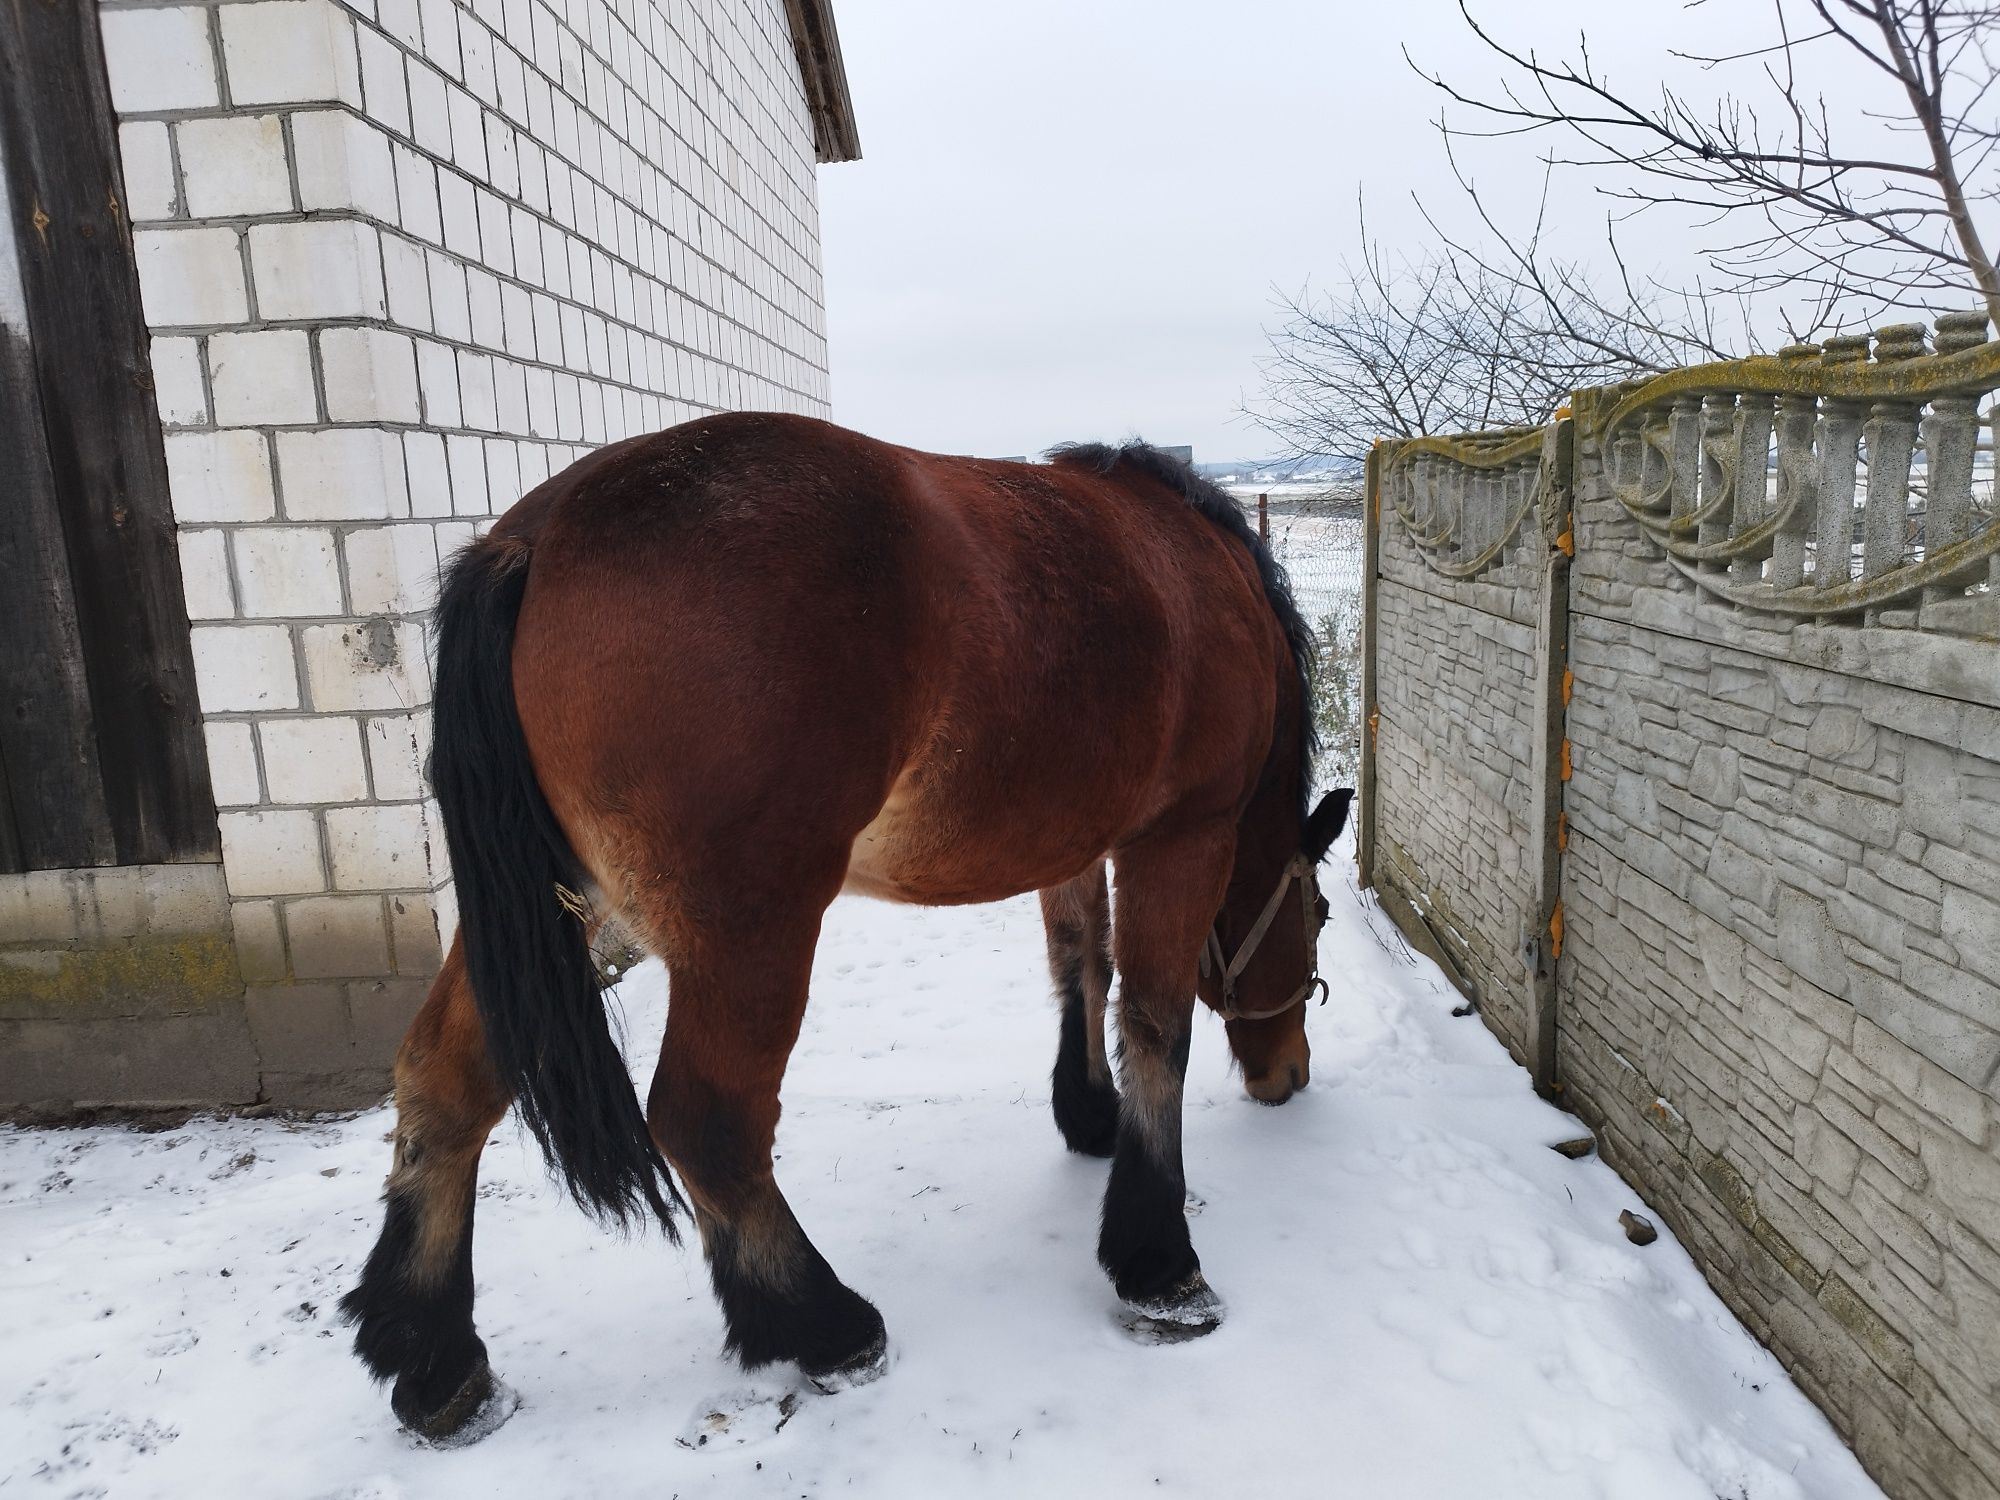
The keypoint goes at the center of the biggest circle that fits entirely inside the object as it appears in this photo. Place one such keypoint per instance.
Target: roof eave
(817, 42)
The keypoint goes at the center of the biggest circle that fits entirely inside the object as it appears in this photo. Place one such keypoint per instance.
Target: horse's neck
(1268, 834)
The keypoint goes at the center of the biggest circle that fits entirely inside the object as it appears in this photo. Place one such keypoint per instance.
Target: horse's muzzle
(1283, 1080)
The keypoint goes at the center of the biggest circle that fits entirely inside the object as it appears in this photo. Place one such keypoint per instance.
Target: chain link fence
(1316, 532)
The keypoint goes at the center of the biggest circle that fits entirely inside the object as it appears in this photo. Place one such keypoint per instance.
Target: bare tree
(1869, 202)
(1462, 339)
(1865, 205)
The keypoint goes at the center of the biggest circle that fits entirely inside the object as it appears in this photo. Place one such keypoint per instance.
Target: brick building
(383, 266)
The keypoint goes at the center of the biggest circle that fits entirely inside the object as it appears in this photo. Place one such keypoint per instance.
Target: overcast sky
(1069, 215)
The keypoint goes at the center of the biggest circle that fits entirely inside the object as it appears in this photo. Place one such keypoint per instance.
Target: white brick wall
(261, 377)
(404, 259)
(160, 59)
(314, 761)
(189, 277)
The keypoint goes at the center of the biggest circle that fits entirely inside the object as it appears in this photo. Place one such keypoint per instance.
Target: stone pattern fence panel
(1776, 925)
(1462, 536)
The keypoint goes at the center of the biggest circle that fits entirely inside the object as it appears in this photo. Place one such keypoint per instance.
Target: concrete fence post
(1542, 948)
(1371, 541)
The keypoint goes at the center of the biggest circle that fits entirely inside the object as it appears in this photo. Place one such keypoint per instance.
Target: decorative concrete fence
(1684, 760)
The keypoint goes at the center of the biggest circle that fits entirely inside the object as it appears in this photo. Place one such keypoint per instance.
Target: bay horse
(704, 681)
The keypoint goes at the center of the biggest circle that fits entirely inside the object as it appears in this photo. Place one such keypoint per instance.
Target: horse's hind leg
(1077, 917)
(413, 1306)
(738, 995)
(1168, 892)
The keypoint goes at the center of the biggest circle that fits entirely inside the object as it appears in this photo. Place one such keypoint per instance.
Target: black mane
(1216, 504)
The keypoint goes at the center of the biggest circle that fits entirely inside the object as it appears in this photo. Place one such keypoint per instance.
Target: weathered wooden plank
(89, 346)
(52, 812)
(55, 815)
(12, 858)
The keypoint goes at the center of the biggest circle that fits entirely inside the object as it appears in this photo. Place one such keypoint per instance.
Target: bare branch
(1461, 339)
(1807, 236)
(1876, 229)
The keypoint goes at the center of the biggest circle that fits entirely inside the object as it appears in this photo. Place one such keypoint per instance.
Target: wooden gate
(101, 754)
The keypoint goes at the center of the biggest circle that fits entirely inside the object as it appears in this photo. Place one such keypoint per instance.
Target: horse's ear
(1324, 826)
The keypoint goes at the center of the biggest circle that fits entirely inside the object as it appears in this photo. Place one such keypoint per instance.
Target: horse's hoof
(477, 1408)
(1175, 1316)
(871, 1364)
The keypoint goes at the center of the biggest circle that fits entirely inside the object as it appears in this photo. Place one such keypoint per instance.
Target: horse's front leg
(1168, 891)
(412, 1310)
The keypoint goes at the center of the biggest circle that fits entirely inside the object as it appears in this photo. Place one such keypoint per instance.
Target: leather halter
(1231, 969)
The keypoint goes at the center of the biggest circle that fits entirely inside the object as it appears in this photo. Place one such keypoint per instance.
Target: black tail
(526, 953)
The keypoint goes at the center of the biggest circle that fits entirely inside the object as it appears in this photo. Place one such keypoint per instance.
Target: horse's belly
(876, 863)
(931, 857)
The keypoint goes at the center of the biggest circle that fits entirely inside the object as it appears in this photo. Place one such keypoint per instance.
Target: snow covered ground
(1424, 1299)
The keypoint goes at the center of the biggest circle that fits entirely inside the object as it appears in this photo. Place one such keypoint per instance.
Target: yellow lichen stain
(147, 974)
(1374, 727)
(1562, 831)
(1566, 766)
(1556, 931)
(1798, 370)
(1569, 685)
(1566, 542)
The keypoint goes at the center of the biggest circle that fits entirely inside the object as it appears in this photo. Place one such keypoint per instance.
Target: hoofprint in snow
(1423, 1298)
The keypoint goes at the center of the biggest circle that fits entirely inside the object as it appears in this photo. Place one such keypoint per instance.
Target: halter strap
(1214, 961)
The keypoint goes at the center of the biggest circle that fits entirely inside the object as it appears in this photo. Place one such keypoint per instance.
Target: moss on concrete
(146, 976)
